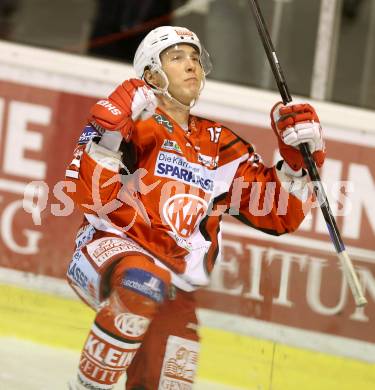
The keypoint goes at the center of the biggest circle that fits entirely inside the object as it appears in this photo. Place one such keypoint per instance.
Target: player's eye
(176, 57)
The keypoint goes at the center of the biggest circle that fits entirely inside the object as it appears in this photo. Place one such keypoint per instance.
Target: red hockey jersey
(172, 200)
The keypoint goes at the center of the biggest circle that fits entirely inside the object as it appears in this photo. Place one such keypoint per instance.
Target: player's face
(181, 64)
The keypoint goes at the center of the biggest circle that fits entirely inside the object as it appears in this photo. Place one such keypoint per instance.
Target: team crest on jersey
(183, 213)
(161, 120)
(172, 146)
(131, 324)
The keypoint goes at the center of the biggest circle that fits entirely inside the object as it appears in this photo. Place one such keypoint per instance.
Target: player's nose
(190, 64)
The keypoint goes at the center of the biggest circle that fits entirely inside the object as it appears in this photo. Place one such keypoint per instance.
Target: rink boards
(277, 309)
(228, 360)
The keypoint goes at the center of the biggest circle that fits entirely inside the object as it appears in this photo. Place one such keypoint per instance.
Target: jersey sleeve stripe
(244, 220)
(225, 147)
(202, 225)
(112, 338)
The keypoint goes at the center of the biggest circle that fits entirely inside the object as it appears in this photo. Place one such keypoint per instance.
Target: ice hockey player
(153, 182)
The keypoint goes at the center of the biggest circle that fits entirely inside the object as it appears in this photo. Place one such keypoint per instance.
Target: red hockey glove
(130, 100)
(294, 125)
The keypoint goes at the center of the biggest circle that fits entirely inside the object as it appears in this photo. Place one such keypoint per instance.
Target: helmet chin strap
(164, 92)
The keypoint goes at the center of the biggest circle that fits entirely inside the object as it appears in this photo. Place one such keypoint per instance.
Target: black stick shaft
(270, 52)
(309, 162)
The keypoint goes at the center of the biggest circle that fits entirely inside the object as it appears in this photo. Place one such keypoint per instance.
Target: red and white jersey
(182, 182)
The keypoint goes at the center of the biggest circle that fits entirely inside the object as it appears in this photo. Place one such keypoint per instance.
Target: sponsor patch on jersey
(144, 283)
(180, 364)
(105, 249)
(103, 349)
(84, 235)
(84, 279)
(171, 145)
(89, 132)
(208, 161)
(77, 275)
(178, 168)
(162, 120)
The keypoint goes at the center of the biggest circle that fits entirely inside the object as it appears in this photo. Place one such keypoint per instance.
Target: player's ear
(152, 78)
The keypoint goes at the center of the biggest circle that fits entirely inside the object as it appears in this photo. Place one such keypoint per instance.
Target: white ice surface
(25, 365)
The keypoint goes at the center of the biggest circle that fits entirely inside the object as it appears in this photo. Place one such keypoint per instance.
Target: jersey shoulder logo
(162, 120)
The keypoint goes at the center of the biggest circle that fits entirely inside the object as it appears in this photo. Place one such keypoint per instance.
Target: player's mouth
(191, 79)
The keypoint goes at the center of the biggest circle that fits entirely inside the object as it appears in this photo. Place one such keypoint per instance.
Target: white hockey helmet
(159, 39)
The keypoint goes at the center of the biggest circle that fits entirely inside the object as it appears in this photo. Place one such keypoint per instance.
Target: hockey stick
(334, 233)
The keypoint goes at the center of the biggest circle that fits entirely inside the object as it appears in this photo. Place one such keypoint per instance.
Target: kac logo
(183, 212)
(131, 325)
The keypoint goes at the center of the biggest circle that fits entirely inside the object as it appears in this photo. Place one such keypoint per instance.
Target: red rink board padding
(294, 281)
